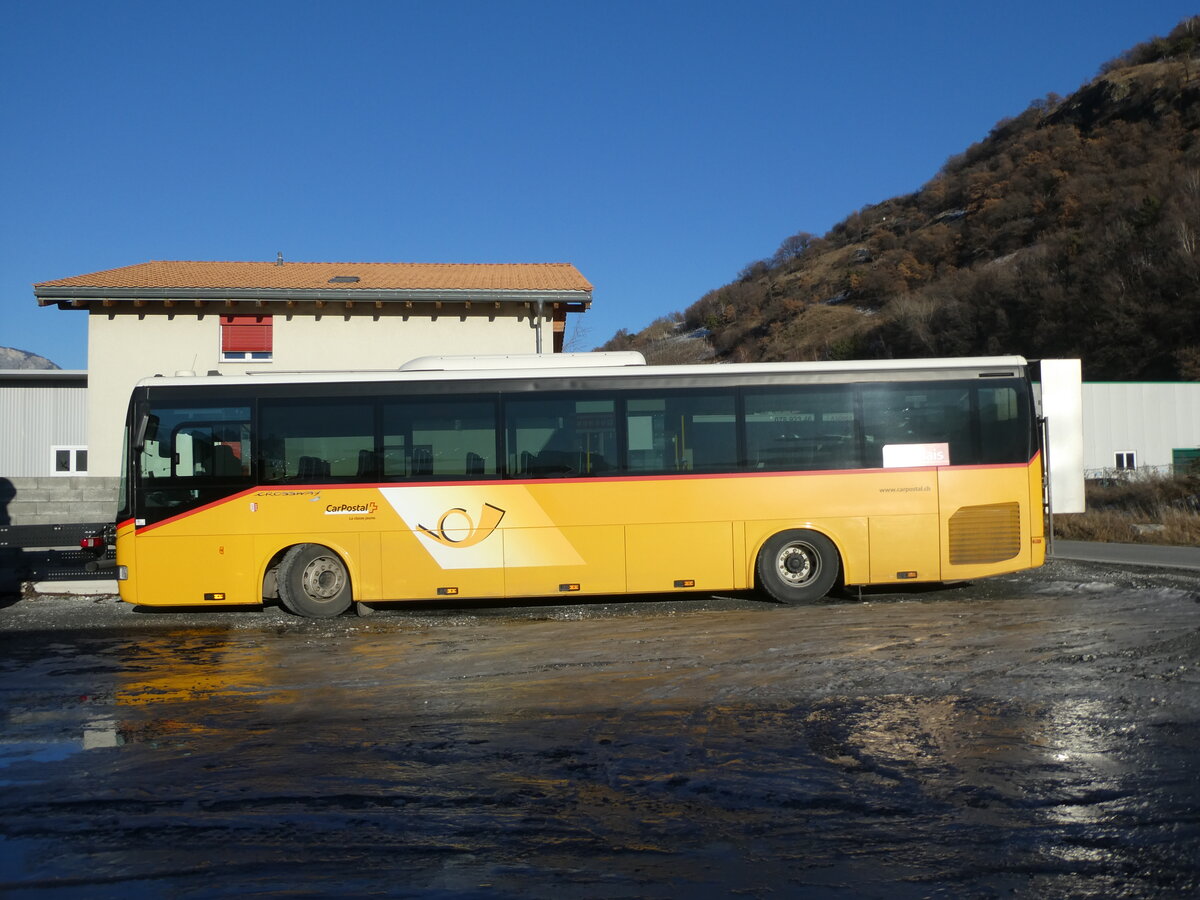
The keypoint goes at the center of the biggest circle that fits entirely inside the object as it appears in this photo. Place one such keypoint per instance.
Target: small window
(1126, 459)
(69, 460)
(246, 339)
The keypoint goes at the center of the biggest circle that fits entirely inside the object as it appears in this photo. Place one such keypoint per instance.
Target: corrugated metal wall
(36, 416)
(1148, 418)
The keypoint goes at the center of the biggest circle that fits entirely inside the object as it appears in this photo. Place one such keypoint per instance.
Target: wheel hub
(323, 579)
(795, 564)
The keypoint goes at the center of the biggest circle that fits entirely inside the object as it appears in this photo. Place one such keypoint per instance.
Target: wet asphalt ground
(1036, 735)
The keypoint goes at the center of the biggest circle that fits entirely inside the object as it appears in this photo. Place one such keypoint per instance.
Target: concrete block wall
(57, 500)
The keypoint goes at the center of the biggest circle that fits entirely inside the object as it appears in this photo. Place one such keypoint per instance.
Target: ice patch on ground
(1068, 587)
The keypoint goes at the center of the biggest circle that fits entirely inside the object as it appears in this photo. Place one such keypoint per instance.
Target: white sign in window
(641, 432)
(912, 456)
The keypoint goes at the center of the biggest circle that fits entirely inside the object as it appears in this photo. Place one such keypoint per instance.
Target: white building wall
(1150, 419)
(127, 345)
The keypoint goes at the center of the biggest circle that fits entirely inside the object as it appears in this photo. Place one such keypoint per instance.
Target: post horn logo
(472, 534)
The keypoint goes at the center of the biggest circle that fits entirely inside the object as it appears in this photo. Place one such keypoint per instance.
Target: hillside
(1072, 229)
(11, 358)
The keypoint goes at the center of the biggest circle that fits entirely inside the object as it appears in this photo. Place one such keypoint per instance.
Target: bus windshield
(191, 455)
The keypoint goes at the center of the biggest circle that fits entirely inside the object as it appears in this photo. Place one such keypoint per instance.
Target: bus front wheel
(313, 582)
(798, 566)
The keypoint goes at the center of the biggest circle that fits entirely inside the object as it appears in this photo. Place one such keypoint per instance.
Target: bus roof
(574, 365)
(524, 361)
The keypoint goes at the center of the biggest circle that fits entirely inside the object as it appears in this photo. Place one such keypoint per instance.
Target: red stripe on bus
(198, 509)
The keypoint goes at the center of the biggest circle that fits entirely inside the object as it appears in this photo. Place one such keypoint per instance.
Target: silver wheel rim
(323, 578)
(797, 564)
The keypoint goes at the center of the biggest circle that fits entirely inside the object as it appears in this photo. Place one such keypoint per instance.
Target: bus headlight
(122, 573)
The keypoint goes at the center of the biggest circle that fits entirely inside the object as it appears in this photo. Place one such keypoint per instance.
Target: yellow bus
(576, 474)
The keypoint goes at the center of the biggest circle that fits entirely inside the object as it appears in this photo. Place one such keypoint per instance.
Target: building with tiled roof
(268, 281)
(165, 316)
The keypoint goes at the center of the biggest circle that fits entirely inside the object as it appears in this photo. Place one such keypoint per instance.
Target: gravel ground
(1030, 735)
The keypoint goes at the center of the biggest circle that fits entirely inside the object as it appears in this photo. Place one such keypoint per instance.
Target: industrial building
(1140, 426)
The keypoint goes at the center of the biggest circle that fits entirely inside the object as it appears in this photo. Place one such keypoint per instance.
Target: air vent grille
(985, 534)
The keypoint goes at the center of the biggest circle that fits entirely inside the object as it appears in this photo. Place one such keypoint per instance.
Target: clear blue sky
(658, 146)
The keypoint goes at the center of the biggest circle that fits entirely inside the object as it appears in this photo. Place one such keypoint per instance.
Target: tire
(798, 566)
(313, 582)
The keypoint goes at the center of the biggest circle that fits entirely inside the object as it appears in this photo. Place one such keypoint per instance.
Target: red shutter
(245, 334)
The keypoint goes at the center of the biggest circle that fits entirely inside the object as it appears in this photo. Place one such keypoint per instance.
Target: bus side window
(439, 438)
(910, 415)
(555, 437)
(801, 427)
(315, 440)
(711, 445)
(682, 432)
(1000, 408)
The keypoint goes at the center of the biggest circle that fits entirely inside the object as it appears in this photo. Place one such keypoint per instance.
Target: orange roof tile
(314, 276)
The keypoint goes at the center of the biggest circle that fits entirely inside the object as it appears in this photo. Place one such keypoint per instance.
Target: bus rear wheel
(313, 582)
(798, 566)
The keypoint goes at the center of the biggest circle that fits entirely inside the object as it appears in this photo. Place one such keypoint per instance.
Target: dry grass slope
(1144, 509)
